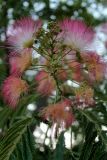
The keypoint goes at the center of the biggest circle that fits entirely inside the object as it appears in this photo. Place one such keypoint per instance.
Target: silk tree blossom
(62, 74)
(12, 89)
(22, 34)
(76, 71)
(75, 68)
(84, 95)
(59, 113)
(19, 63)
(76, 35)
(95, 65)
(46, 83)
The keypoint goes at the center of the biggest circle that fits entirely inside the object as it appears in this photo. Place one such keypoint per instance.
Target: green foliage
(12, 138)
(4, 115)
(93, 147)
(89, 139)
(97, 123)
(25, 150)
(59, 151)
(3, 73)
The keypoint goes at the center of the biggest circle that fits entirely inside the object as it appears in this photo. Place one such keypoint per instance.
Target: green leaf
(59, 151)
(4, 114)
(25, 150)
(89, 140)
(92, 117)
(12, 138)
(98, 152)
(97, 122)
(2, 72)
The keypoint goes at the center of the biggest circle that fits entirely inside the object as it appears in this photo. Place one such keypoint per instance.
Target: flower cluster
(65, 54)
(13, 87)
(20, 42)
(22, 35)
(59, 113)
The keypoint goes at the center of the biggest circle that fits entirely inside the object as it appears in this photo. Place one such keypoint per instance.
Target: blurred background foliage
(94, 13)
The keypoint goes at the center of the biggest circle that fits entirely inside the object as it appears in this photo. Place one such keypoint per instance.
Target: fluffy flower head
(45, 83)
(12, 89)
(95, 65)
(76, 71)
(22, 34)
(84, 95)
(19, 63)
(76, 34)
(59, 113)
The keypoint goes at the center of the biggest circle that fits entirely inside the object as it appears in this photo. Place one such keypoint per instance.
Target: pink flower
(45, 82)
(19, 63)
(76, 35)
(62, 74)
(84, 95)
(12, 89)
(76, 71)
(95, 65)
(22, 34)
(59, 113)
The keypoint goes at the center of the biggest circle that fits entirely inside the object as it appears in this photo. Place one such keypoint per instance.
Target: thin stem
(58, 89)
(42, 54)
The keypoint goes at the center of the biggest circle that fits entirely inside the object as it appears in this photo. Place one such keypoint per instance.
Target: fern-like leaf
(12, 138)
